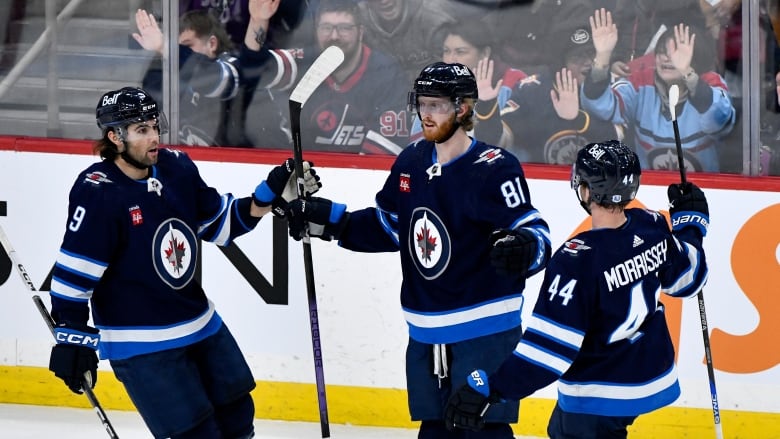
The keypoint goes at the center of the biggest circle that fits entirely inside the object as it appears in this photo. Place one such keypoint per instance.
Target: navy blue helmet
(440, 79)
(609, 169)
(120, 108)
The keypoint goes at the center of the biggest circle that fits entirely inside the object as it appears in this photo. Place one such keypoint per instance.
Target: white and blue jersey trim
(465, 323)
(117, 343)
(89, 269)
(615, 399)
(691, 281)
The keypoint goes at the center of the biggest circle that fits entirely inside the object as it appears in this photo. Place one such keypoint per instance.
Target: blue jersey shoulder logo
(174, 253)
(429, 243)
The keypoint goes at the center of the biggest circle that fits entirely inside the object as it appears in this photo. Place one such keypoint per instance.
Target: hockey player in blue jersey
(598, 326)
(459, 213)
(130, 249)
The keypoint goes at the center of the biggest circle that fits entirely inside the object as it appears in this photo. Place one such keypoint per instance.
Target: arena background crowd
(531, 57)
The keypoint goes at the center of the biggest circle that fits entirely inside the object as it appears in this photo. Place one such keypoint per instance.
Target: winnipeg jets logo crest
(174, 253)
(429, 243)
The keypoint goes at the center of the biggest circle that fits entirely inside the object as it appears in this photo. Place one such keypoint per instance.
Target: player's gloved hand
(688, 207)
(281, 186)
(513, 251)
(320, 216)
(467, 406)
(74, 355)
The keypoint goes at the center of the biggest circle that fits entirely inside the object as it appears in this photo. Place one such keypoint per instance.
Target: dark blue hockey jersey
(131, 247)
(441, 217)
(598, 326)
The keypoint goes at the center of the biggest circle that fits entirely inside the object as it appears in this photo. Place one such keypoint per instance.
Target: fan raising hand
(484, 75)
(565, 95)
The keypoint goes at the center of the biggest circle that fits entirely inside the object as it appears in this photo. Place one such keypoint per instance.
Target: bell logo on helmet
(597, 152)
(110, 100)
(461, 70)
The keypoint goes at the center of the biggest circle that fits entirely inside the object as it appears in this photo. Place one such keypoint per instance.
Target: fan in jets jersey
(358, 108)
(459, 213)
(598, 327)
(130, 250)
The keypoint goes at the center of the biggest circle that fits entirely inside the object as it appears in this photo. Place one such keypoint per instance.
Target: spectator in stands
(537, 116)
(209, 75)
(358, 109)
(410, 30)
(472, 46)
(290, 26)
(525, 30)
(705, 113)
(545, 114)
(641, 22)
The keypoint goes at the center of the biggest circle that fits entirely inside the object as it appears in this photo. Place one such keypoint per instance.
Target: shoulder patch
(96, 178)
(489, 155)
(574, 246)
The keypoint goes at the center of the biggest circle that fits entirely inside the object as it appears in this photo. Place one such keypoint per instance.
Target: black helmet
(609, 169)
(120, 108)
(440, 79)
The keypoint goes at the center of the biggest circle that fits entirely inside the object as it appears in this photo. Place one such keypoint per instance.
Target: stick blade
(322, 67)
(674, 97)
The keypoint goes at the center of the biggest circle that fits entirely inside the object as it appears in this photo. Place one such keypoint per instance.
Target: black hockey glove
(321, 217)
(688, 207)
(74, 355)
(280, 187)
(467, 406)
(513, 251)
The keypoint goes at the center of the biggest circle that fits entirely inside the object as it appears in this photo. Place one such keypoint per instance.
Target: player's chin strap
(584, 205)
(440, 368)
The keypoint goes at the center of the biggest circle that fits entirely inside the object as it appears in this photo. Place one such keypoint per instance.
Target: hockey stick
(87, 383)
(322, 67)
(674, 96)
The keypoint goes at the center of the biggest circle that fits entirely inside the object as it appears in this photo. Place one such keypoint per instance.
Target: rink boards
(363, 334)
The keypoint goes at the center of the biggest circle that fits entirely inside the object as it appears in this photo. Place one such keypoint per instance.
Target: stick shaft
(86, 385)
(702, 311)
(311, 294)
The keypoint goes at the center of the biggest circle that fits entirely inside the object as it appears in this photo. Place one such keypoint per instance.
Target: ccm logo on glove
(76, 337)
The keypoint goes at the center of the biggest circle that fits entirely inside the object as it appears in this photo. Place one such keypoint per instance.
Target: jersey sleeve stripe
(68, 291)
(541, 357)
(80, 265)
(691, 280)
(530, 217)
(389, 223)
(561, 334)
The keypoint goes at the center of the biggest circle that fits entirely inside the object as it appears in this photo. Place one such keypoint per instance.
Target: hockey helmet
(610, 170)
(440, 79)
(120, 108)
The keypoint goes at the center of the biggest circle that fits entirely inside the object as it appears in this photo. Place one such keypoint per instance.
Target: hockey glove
(513, 251)
(281, 186)
(318, 217)
(74, 355)
(688, 207)
(467, 406)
